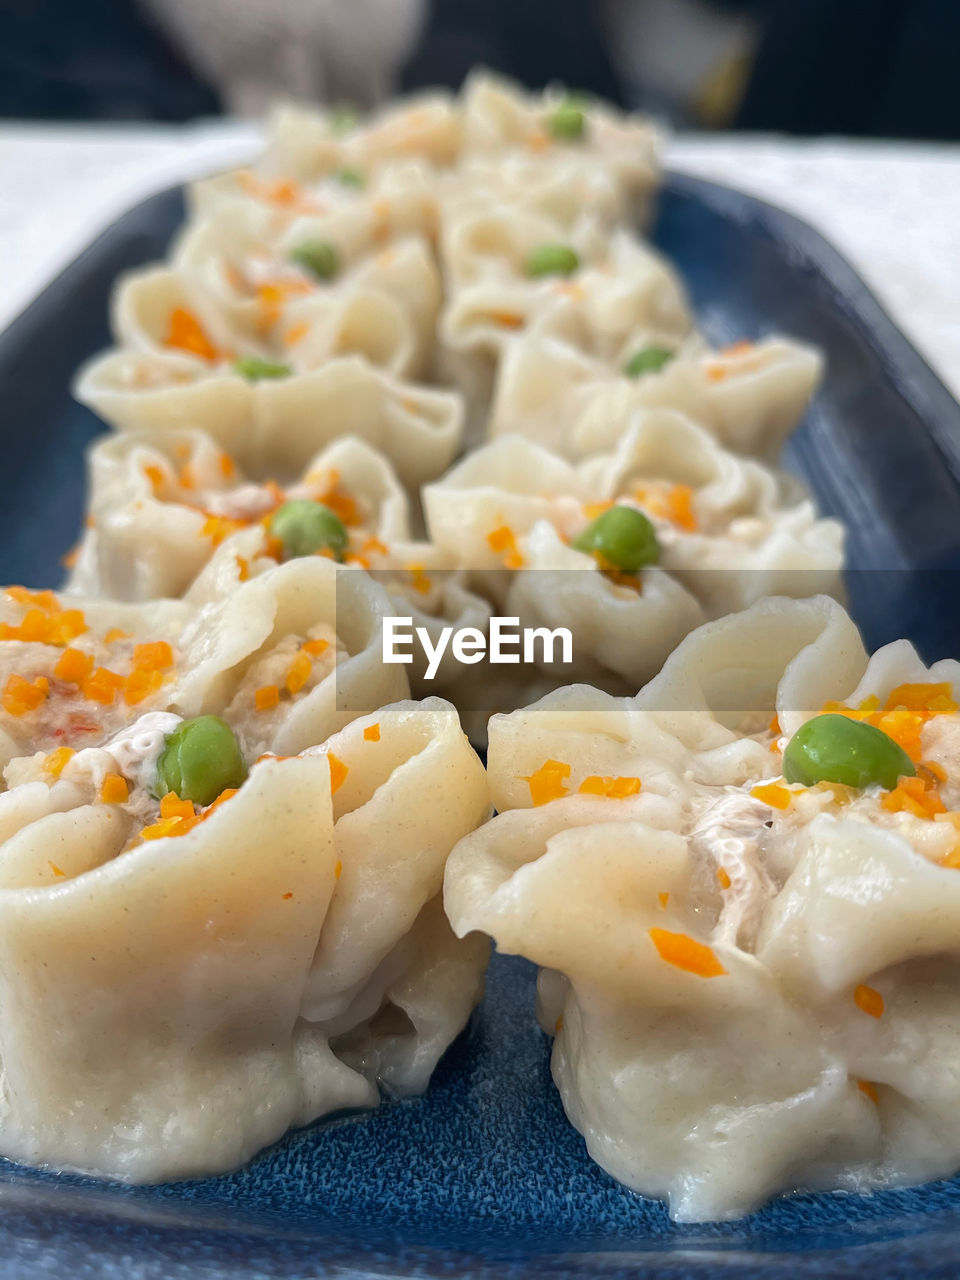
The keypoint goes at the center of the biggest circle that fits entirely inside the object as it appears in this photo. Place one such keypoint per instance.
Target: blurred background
(869, 68)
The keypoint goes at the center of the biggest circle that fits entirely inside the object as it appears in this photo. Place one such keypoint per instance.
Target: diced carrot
(372, 733)
(865, 1086)
(723, 878)
(299, 673)
(664, 899)
(21, 696)
(186, 333)
(548, 782)
(338, 772)
(140, 684)
(773, 794)
(103, 686)
(869, 1000)
(58, 760)
(267, 697)
(684, 952)
(155, 656)
(315, 647)
(114, 789)
(73, 666)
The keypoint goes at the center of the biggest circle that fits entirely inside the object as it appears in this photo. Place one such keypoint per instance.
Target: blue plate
(483, 1176)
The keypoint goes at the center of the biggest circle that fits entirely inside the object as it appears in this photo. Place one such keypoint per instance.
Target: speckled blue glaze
(483, 1176)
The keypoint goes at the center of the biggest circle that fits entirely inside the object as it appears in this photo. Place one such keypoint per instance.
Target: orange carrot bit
(338, 870)
(114, 789)
(154, 656)
(103, 686)
(186, 333)
(419, 579)
(740, 348)
(35, 627)
(171, 806)
(372, 733)
(296, 332)
(58, 760)
(267, 697)
(216, 528)
(503, 541)
(926, 699)
(933, 772)
(870, 1089)
(680, 507)
(373, 546)
(73, 666)
(69, 558)
(172, 826)
(228, 468)
(57, 871)
(595, 785)
(773, 794)
(686, 953)
(341, 504)
(299, 673)
(507, 319)
(315, 647)
(593, 509)
(70, 624)
(613, 788)
(664, 899)
(140, 685)
(723, 878)
(548, 782)
(21, 696)
(869, 1000)
(338, 773)
(243, 568)
(156, 475)
(42, 599)
(286, 896)
(774, 726)
(115, 634)
(914, 795)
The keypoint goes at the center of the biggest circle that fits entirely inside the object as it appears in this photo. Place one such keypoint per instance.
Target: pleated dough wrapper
(303, 144)
(383, 302)
(160, 503)
(229, 640)
(749, 398)
(623, 287)
(499, 118)
(746, 541)
(711, 959)
(173, 1007)
(273, 427)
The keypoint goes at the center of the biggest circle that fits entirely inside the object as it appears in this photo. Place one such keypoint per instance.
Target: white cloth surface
(892, 209)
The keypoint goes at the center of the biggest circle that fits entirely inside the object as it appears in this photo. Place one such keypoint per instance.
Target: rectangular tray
(482, 1176)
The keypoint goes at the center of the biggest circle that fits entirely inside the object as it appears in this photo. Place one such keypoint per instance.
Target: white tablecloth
(893, 210)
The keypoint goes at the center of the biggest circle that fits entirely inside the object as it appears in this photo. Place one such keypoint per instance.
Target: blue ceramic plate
(483, 1176)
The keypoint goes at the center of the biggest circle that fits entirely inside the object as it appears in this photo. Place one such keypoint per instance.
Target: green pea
(200, 759)
(306, 527)
(567, 122)
(647, 360)
(343, 118)
(622, 536)
(253, 368)
(319, 257)
(834, 748)
(552, 260)
(350, 178)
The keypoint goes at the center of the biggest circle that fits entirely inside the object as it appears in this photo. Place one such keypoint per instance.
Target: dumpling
(184, 980)
(606, 288)
(273, 426)
(750, 396)
(741, 887)
(707, 532)
(291, 655)
(160, 503)
(499, 119)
